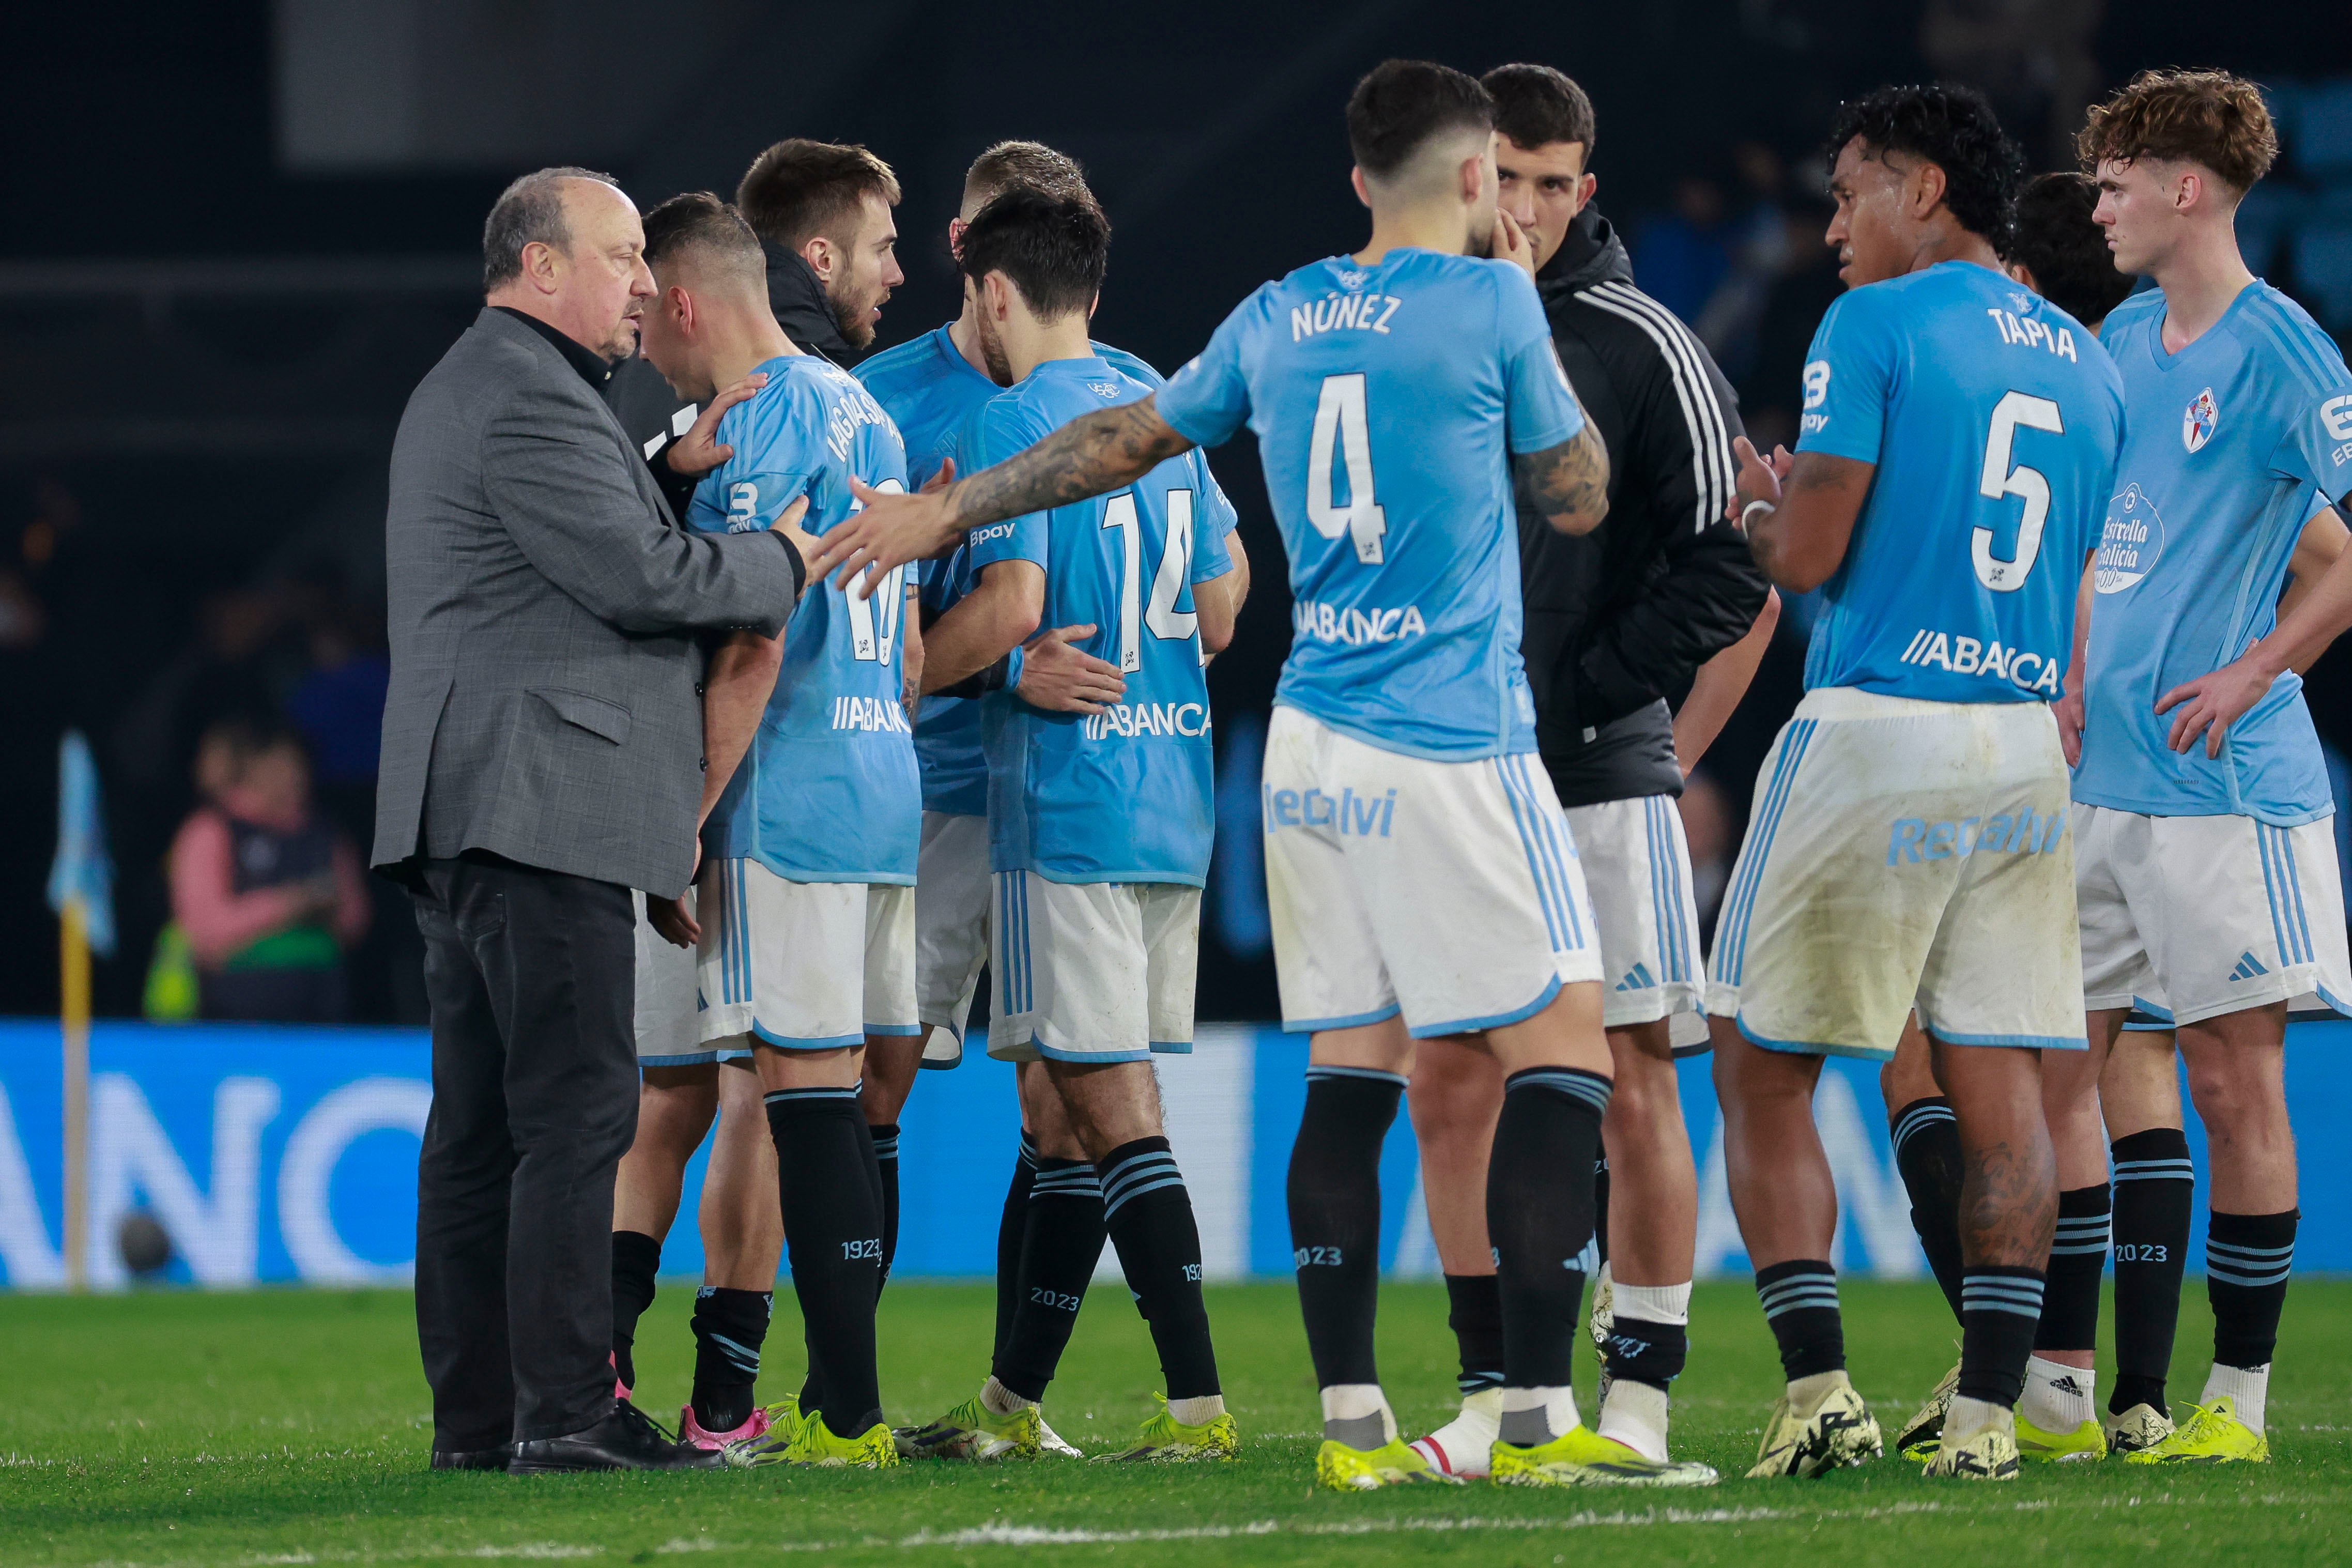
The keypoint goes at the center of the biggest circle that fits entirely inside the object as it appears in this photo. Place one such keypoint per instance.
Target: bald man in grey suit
(542, 748)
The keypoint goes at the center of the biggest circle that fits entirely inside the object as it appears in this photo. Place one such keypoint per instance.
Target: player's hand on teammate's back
(787, 524)
(2212, 704)
(890, 530)
(1512, 244)
(939, 481)
(1064, 679)
(697, 451)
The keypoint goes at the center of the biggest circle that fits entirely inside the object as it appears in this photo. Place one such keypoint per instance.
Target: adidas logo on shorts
(2249, 966)
(1636, 979)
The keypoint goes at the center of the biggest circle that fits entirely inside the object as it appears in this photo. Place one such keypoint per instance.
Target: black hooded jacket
(1619, 620)
(655, 417)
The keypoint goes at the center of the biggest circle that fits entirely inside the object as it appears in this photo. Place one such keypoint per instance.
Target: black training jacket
(1619, 620)
(653, 416)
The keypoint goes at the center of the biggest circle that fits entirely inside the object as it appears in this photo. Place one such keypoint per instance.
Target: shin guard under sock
(636, 1258)
(1475, 1313)
(1012, 1225)
(1999, 1310)
(729, 1327)
(2154, 1180)
(2078, 1257)
(1927, 1154)
(2247, 1259)
(1801, 1307)
(1062, 1242)
(1540, 1225)
(832, 1224)
(1334, 1193)
(1148, 1214)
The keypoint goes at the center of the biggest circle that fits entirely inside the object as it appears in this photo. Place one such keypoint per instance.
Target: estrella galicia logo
(2131, 543)
(2196, 424)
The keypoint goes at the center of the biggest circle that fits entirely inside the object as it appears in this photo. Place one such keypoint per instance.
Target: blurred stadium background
(237, 234)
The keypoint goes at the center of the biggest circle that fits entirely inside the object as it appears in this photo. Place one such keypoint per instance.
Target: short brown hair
(799, 189)
(2181, 116)
(700, 222)
(1536, 106)
(1032, 165)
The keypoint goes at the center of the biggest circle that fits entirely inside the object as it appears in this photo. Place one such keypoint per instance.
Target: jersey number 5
(1160, 614)
(1341, 422)
(1999, 479)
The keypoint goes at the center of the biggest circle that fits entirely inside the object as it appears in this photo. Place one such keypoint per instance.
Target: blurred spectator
(1758, 244)
(2032, 57)
(1800, 295)
(1681, 255)
(268, 895)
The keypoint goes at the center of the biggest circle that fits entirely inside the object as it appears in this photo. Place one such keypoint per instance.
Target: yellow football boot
(1580, 1456)
(816, 1446)
(2087, 1441)
(1165, 1440)
(2211, 1436)
(1393, 1464)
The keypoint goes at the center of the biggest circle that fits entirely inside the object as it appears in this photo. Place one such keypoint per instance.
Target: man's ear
(2188, 189)
(1587, 186)
(956, 226)
(543, 265)
(995, 297)
(1472, 178)
(1356, 180)
(1928, 186)
(819, 253)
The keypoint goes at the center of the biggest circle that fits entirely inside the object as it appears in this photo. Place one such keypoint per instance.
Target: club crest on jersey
(2021, 303)
(2196, 424)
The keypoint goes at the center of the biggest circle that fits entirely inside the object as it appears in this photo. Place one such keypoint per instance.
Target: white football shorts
(1637, 869)
(1448, 891)
(1091, 972)
(804, 966)
(669, 1033)
(2187, 917)
(1901, 851)
(951, 929)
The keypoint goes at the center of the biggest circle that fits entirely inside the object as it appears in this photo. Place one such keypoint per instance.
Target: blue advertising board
(272, 1153)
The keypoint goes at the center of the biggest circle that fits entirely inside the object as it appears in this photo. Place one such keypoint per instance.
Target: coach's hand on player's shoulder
(697, 451)
(2068, 711)
(1511, 244)
(2212, 704)
(1064, 679)
(787, 524)
(890, 529)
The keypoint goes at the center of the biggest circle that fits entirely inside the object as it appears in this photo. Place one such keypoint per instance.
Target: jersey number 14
(1160, 612)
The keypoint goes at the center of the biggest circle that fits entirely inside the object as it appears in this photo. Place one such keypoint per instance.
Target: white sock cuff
(1652, 1303)
(1197, 1412)
(1353, 1401)
(1559, 1405)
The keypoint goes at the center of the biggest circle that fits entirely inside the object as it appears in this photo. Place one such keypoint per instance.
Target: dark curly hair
(1956, 130)
(2056, 239)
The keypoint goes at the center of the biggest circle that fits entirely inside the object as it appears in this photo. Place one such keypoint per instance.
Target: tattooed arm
(1569, 482)
(1102, 451)
(1799, 534)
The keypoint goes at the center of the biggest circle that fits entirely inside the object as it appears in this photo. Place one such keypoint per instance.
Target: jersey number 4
(1342, 429)
(1160, 612)
(1999, 479)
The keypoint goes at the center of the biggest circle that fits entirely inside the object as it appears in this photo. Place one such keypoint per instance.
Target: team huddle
(2051, 810)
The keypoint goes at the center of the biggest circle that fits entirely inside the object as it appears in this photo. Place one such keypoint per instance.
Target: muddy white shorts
(1637, 871)
(1448, 891)
(804, 966)
(669, 1031)
(1091, 972)
(951, 929)
(1900, 852)
(2187, 917)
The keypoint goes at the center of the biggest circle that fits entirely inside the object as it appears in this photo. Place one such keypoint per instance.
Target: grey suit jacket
(544, 602)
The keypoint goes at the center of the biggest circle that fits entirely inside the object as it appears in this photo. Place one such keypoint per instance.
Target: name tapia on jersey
(1388, 402)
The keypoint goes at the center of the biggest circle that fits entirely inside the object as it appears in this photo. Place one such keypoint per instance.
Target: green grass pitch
(290, 1428)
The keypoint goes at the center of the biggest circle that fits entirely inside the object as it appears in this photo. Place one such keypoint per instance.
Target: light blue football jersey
(828, 792)
(1127, 795)
(1993, 418)
(931, 391)
(1388, 402)
(2230, 447)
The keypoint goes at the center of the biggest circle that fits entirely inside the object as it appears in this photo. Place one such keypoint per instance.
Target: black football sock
(2078, 1257)
(1012, 1225)
(636, 1258)
(1335, 1215)
(1601, 1209)
(2247, 1259)
(2154, 1182)
(885, 1159)
(1474, 1312)
(1540, 1225)
(1643, 1350)
(730, 1326)
(1999, 1307)
(1927, 1156)
(1801, 1307)
(833, 1226)
(1062, 1244)
(1149, 1213)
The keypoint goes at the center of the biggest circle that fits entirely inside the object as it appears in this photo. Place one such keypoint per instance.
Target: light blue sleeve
(1208, 400)
(772, 468)
(1540, 410)
(1001, 428)
(1849, 374)
(2316, 448)
(1216, 511)
(1210, 526)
